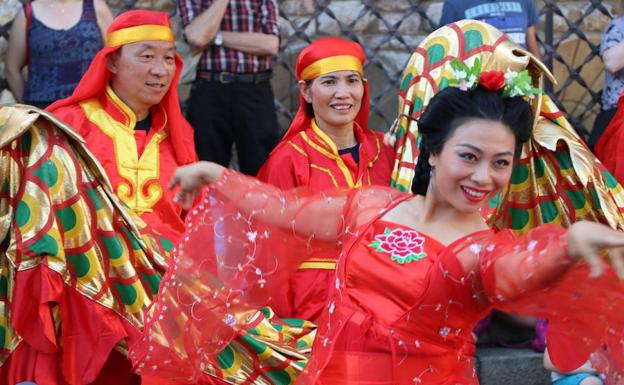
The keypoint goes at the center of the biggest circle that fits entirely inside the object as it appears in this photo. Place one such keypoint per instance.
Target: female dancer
(328, 145)
(416, 271)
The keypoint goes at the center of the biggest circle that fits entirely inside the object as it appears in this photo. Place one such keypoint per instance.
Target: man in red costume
(126, 107)
(328, 145)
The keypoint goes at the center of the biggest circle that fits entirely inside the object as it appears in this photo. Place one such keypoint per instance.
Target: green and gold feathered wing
(63, 231)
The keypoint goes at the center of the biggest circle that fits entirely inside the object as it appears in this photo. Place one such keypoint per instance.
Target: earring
(431, 172)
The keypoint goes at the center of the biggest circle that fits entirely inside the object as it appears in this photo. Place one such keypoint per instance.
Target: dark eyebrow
(470, 146)
(328, 76)
(477, 149)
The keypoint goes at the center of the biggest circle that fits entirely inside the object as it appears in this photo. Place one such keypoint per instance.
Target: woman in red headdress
(328, 145)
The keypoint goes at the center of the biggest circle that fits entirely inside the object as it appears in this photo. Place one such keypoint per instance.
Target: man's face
(142, 73)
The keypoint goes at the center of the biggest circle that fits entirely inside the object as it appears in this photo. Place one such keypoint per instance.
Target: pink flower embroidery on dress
(404, 246)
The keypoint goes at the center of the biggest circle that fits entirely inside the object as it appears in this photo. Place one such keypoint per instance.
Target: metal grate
(580, 84)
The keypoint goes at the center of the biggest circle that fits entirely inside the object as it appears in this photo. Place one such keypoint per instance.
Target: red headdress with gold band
(131, 27)
(324, 56)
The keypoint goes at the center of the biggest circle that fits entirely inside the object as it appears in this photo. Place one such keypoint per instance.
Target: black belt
(229, 77)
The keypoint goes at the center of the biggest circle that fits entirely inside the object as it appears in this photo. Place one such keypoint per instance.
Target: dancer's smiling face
(475, 163)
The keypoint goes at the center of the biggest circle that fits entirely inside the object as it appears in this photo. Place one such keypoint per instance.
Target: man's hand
(201, 32)
(255, 43)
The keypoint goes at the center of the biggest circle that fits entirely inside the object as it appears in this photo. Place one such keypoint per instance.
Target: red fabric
(408, 314)
(288, 167)
(88, 334)
(320, 49)
(304, 158)
(165, 216)
(492, 80)
(95, 80)
(319, 169)
(28, 364)
(609, 147)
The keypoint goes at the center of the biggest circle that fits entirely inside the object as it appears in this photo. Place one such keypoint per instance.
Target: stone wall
(8, 8)
(389, 30)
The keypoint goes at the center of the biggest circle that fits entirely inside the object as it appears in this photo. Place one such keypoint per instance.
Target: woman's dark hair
(451, 108)
(307, 107)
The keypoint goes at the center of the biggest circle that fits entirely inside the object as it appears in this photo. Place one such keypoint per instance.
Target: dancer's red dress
(402, 304)
(609, 146)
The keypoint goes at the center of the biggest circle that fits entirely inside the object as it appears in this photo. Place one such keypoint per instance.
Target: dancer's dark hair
(451, 108)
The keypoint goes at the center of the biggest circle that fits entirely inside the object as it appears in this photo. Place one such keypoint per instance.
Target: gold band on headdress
(332, 64)
(139, 33)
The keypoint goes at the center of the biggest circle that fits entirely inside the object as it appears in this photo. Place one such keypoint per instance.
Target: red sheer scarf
(245, 238)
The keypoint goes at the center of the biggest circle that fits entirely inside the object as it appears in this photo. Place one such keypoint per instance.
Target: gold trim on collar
(332, 64)
(123, 107)
(334, 154)
(139, 33)
(140, 188)
(324, 137)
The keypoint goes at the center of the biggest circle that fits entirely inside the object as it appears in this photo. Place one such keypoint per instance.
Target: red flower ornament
(404, 246)
(492, 80)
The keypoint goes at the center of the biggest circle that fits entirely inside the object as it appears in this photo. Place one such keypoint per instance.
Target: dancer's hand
(589, 240)
(191, 178)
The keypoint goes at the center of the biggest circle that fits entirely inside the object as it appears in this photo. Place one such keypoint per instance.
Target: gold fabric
(139, 33)
(57, 209)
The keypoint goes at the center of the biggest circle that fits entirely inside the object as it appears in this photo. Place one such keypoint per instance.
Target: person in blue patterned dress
(55, 40)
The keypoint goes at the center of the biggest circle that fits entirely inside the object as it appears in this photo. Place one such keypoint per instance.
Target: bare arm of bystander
(200, 32)
(613, 58)
(103, 15)
(531, 41)
(255, 43)
(16, 56)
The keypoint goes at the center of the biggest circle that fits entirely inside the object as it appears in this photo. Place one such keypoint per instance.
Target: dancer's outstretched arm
(539, 257)
(309, 214)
